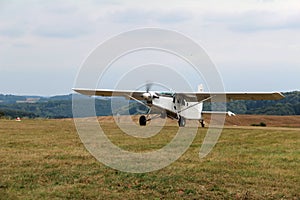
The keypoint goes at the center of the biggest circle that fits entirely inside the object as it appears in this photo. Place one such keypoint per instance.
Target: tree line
(61, 106)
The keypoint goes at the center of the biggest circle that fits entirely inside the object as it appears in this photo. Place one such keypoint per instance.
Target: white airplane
(179, 106)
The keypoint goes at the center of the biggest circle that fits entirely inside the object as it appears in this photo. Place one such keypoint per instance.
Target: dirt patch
(268, 120)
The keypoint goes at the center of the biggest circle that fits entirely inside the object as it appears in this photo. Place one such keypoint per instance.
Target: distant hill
(290, 105)
(12, 106)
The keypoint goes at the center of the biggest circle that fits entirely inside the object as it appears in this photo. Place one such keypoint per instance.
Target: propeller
(149, 95)
(148, 86)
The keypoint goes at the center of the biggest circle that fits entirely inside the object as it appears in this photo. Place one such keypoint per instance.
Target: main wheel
(181, 121)
(202, 123)
(143, 120)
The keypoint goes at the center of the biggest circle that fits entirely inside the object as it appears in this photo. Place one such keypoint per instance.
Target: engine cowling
(149, 96)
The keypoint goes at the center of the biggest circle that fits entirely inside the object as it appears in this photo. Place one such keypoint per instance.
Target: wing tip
(278, 95)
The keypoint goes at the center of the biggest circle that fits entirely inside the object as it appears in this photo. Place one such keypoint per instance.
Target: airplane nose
(146, 95)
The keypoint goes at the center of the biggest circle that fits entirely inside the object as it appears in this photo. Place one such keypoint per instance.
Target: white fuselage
(188, 110)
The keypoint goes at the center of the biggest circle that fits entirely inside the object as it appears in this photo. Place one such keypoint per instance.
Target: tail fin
(200, 88)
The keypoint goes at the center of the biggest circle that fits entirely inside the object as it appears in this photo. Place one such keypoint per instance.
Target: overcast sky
(255, 44)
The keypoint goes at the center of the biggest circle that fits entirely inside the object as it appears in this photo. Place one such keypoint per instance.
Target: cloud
(21, 45)
(45, 19)
(63, 27)
(139, 16)
(175, 17)
(12, 23)
(12, 32)
(252, 21)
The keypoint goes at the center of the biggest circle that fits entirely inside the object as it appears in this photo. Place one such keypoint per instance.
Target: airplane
(180, 106)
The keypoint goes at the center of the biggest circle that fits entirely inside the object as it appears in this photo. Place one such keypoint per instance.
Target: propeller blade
(148, 86)
(149, 95)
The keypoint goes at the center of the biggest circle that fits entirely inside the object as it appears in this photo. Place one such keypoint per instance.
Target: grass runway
(45, 159)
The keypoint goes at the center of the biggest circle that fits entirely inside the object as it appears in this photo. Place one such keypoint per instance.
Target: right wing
(108, 93)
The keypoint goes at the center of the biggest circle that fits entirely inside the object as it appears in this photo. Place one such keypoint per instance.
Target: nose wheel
(143, 121)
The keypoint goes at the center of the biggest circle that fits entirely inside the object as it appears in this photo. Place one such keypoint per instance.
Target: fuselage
(176, 106)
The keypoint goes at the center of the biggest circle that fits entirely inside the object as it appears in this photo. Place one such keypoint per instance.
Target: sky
(255, 44)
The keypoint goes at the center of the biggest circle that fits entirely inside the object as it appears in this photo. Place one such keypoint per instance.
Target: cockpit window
(167, 93)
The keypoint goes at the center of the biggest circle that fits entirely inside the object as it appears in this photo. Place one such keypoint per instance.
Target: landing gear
(202, 123)
(163, 115)
(181, 121)
(143, 120)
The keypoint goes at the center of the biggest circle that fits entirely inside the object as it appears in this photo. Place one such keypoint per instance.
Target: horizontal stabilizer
(229, 113)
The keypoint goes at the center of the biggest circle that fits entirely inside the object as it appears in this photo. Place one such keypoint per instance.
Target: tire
(181, 121)
(142, 120)
(202, 123)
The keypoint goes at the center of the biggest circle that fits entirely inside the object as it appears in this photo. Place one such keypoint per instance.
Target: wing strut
(131, 97)
(196, 104)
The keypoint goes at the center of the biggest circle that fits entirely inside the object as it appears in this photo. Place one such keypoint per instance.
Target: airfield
(45, 159)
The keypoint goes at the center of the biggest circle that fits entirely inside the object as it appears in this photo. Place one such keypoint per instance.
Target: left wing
(200, 96)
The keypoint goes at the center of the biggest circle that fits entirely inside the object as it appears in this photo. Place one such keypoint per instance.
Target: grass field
(45, 159)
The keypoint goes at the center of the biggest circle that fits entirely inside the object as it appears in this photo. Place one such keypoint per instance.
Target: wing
(202, 96)
(189, 96)
(108, 93)
(254, 96)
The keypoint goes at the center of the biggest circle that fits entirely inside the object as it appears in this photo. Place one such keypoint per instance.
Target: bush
(260, 124)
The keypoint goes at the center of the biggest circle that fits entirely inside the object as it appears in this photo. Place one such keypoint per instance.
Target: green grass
(45, 159)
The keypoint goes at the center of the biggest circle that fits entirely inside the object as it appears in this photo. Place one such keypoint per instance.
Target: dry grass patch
(44, 159)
